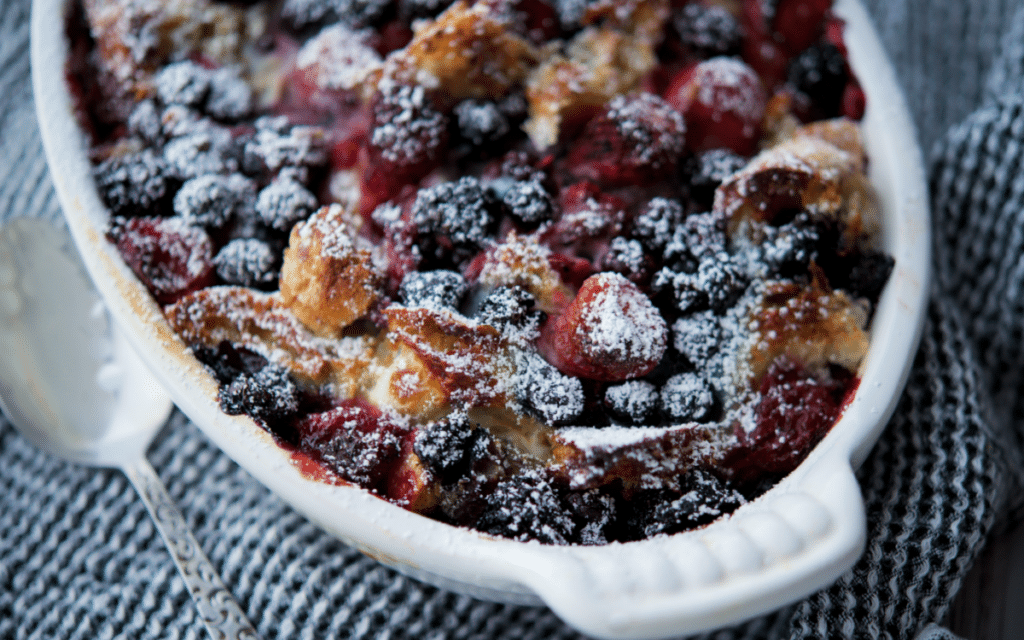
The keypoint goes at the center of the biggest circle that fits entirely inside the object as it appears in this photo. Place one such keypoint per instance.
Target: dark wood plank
(990, 605)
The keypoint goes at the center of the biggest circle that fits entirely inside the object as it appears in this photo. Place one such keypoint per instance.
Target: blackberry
(627, 257)
(654, 225)
(701, 235)
(409, 10)
(708, 31)
(409, 133)
(594, 514)
(206, 148)
(697, 337)
(687, 397)
(480, 122)
(787, 250)
(444, 446)
(134, 184)
(526, 508)
(507, 308)
(185, 83)
(212, 200)
(706, 171)
(358, 13)
(277, 144)
(865, 274)
(544, 391)
(432, 289)
(458, 211)
(228, 360)
(819, 72)
(247, 262)
(269, 396)
(231, 97)
(702, 498)
(717, 283)
(284, 202)
(633, 401)
(528, 201)
(145, 123)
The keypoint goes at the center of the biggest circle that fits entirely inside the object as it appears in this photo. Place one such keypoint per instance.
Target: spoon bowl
(71, 384)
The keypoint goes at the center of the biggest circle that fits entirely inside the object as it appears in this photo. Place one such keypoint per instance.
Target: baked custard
(571, 271)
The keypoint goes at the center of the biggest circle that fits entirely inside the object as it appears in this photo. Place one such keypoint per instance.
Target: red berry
(854, 101)
(636, 140)
(171, 258)
(795, 412)
(799, 23)
(355, 439)
(723, 102)
(609, 332)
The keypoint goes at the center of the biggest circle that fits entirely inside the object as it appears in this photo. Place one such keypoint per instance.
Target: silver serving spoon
(74, 387)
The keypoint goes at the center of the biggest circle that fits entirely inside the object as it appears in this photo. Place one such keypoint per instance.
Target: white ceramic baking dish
(797, 538)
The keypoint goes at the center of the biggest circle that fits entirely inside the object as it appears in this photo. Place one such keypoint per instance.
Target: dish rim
(798, 537)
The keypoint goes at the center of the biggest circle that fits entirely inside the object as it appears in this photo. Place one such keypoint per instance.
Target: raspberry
(610, 332)
(433, 289)
(654, 225)
(480, 122)
(170, 257)
(269, 396)
(706, 171)
(708, 31)
(135, 184)
(627, 257)
(723, 102)
(528, 201)
(795, 412)
(356, 440)
(212, 200)
(687, 397)
(444, 446)
(555, 398)
(526, 508)
(633, 401)
(248, 262)
(819, 72)
(284, 202)
(697, 337)
(458, 212)
(407, 140)
(798, 23)
(637, 139)
(185, 83)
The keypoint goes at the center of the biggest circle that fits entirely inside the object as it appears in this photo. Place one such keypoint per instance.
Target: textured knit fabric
(79, 557)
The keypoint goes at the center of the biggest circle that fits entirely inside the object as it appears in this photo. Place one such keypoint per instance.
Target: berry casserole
(569, 273)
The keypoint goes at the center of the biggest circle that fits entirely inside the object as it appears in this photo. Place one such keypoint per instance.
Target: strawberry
(723, 102)
(609, 332)
(170, 257)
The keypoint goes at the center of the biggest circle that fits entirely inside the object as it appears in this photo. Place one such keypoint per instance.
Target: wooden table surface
(990, 605)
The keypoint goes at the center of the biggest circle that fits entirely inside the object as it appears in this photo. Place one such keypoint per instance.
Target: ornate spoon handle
(217, 607)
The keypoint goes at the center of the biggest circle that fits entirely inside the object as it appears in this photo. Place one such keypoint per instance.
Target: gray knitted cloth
(80, 559)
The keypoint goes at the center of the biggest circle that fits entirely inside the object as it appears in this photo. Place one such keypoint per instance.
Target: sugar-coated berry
(461, 212)
(205, 148)
(708, 30)
(248, 262)
(697, 337)
(231, 97)
(819, 72)
(528, 201)
(212, 200)
(433, 289)
(633, 401)
(480, 122)
(526, 508)
(657, 221)
(284, 202)
(555, 398)
(135, 184)
(687, 397)
(444, 446)
(268, 396)
(706, 171)
(185, 83)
